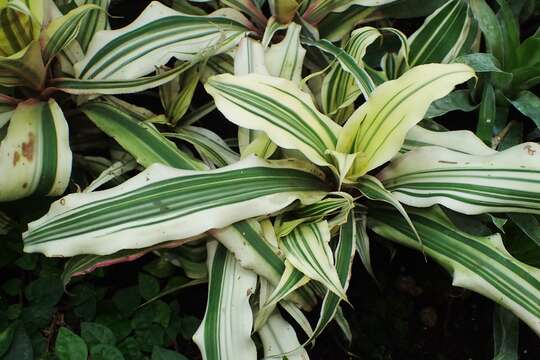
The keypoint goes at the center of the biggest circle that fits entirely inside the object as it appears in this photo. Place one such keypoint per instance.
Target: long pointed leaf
(307, 249)
(141, 139)
(163, 203)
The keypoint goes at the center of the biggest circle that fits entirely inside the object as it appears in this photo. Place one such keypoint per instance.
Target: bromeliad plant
(322, 158)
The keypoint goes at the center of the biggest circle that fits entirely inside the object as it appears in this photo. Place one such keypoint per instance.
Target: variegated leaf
(163, 203)
(346, 80)
(139, 138)
(286, 58)
(445, 34)
(374, 190)
(93, 22)
(508, 181)
(378, 128)
(463, 141)
(279, 337)
(318, 9)
(62, 31)
(308, 250)
(35, 152)
(291, 280)
(344, 253)
(158, 34)
(248, 241)
(115, 87)
(208, 144)
(225, 332)
(277, 107)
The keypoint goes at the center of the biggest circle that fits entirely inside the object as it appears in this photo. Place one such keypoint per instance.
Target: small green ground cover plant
(252, 149)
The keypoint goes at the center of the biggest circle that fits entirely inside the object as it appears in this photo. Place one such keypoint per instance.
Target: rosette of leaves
(281, 220)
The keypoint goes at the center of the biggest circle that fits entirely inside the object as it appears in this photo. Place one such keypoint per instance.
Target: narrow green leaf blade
(140, 139)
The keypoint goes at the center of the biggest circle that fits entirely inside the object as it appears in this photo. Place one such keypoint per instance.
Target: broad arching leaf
(277, 107)
(163, 203)
(507, 181)
(158, 34)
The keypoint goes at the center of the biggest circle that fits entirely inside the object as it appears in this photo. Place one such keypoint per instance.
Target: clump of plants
(256, 145)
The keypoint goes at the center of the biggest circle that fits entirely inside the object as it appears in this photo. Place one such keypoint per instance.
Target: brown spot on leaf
(28, 147)
(24, 185)
(16, 158)
(530, 150)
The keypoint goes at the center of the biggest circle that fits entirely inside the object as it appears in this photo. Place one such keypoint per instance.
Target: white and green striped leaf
(249, 59)
(307, 248)
(176, 96)
(272, 26)
(333, 208)
(115, 87)
(480, 264)
(23, 68)
(508, 181)
(463, 141)
(394, 64)
(249, 242)
(277, 107)
(208, 144)
(286, 58)
(279, 337)
(35, 152)
(319, 9)
(378, 128)
(93, 22)
(163, 203)
(20, 24)
(291, 280)
(141, 139)
(62, 31)
(347, 80)
(344, 254)
(158, 34)
(444, 35)
(225, 332)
